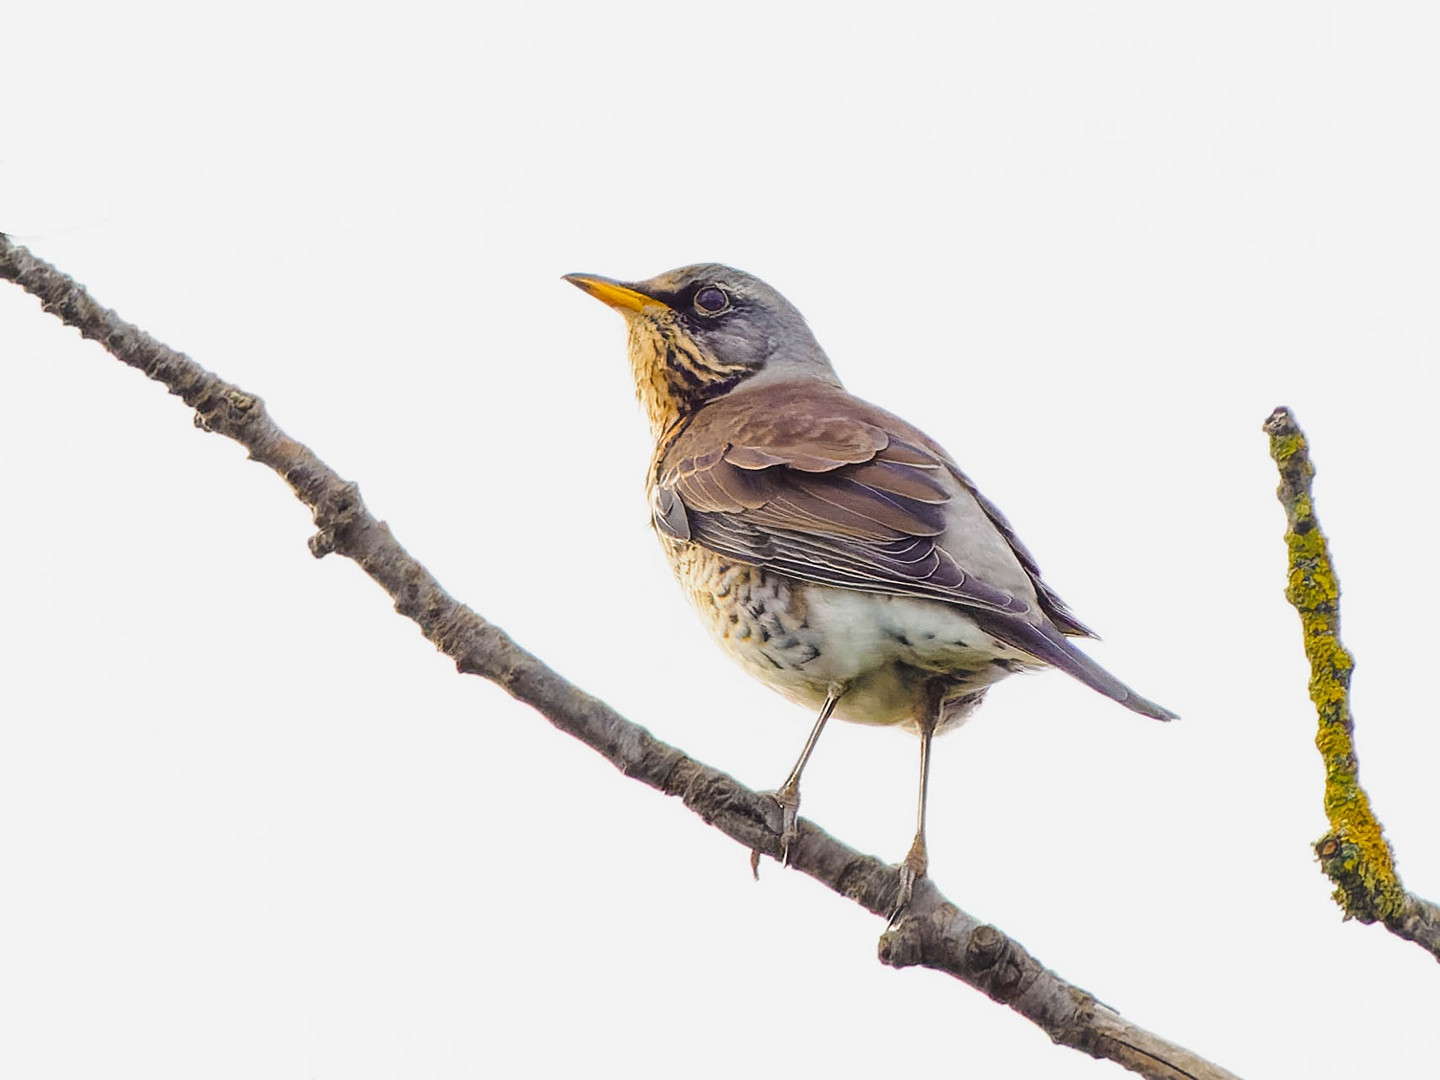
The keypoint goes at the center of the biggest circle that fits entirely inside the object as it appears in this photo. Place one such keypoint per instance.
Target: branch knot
(335, 512)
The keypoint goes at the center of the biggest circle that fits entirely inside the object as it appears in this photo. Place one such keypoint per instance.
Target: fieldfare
(834, 550)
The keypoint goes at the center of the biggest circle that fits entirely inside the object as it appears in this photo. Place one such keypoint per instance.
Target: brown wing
(806, 480)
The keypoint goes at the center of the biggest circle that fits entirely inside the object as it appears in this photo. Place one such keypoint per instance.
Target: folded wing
(814, 483)
(810, 482)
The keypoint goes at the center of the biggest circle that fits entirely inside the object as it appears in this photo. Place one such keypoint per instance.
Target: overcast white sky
(252, 824)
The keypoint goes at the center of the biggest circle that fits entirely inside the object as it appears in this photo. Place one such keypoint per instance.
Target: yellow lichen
(1356, 855)
(1284, 447)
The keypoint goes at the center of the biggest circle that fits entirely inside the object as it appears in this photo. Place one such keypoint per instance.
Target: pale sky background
(252, 825)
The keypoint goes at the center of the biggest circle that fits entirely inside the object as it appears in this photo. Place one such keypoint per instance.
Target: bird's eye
(711, 300)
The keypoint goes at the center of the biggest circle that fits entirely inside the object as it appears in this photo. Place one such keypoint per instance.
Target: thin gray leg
(917, 859)
(789, 794)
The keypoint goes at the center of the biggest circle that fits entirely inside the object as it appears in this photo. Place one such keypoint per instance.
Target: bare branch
(1354, 854)
(934, 934)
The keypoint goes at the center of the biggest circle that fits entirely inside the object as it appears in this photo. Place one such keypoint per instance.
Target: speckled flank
(881, 649)
(758, 617)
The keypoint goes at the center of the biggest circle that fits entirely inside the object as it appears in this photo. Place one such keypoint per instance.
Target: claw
(789, 829)
(788, 799)
(908, 877)
(917, 860)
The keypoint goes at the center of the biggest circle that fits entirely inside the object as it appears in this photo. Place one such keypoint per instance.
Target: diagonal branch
(934, 934)
(1354, 854)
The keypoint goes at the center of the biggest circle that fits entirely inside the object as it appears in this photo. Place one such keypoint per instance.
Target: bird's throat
(674, 377)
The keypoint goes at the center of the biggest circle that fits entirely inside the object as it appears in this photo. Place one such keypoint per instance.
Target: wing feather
(808, 481)
(811, 482)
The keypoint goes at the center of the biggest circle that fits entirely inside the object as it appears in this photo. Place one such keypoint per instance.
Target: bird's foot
(788, 799)
(912, 869)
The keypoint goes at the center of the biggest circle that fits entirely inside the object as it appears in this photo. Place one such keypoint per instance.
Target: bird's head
(698, 332)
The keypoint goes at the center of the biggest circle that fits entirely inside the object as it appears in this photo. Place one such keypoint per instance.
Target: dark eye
(711, 300)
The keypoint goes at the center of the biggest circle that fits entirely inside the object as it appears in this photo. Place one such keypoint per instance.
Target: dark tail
(1047, 643)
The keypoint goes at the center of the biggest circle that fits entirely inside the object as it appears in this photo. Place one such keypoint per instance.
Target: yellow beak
(609, 291)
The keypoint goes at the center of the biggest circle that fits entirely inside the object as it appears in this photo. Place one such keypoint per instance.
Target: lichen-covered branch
(934, 934)
(1354, 854)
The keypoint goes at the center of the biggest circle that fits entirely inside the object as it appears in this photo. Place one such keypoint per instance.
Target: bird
(833, 549)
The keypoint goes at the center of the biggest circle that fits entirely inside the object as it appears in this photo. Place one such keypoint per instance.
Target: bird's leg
(788, 796)
(917, 860)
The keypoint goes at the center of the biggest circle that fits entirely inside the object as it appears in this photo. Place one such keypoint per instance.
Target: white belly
(803, 640)
(884, 648)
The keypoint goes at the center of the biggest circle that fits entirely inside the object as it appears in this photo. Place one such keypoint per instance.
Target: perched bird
(834, 550)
